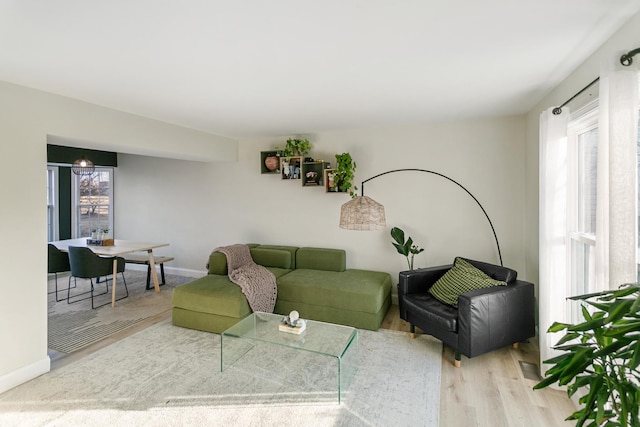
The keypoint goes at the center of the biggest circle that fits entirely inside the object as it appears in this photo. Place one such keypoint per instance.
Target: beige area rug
(72, 327)
(170, 376)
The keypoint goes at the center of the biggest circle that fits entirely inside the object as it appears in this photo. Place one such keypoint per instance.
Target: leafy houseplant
(295, 147)
(344, 174)
(408, 249)
(601, 355)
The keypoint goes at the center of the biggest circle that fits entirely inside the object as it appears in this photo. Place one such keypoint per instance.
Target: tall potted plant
(406, 248)
(601, 357)
(344, 174)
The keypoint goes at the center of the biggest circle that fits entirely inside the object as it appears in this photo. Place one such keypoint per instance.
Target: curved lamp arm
(447, 178)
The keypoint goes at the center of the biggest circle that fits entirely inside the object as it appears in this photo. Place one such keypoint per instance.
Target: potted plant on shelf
(406, 248)
(295, 147)
(343, 174)
(601, 356)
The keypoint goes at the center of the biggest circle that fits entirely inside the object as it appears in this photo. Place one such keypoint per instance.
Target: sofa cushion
(444, 316)
(267, 257)
(213, 294)
(218, 264)
(496, 272)
(355, 290)
(461, 278)
(321, 259)
(271, 257)
(291, 249)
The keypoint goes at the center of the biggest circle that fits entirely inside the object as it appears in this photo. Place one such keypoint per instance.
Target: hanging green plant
(295, 147)
(344, 174)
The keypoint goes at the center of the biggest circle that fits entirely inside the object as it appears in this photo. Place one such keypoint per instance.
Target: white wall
(27, 117)
(626, 39)
(199, 206)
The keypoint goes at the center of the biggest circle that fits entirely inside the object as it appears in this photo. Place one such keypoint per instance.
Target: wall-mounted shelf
(291, 168)
(328, 181)
(313, 173)
(269, 162)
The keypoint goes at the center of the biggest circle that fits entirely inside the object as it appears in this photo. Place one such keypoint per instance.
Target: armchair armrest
(417, 282)
(491, 318)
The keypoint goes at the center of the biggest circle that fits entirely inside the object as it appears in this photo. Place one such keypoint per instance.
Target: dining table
(119, 248)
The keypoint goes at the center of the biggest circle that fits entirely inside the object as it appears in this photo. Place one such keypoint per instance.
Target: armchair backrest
(86, 264)
(57, 261)
(496, 272)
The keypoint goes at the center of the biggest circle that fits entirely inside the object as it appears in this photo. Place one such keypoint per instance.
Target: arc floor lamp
(364, 213)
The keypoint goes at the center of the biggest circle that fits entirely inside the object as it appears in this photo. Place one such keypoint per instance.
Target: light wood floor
(491, 390)
(487, 391)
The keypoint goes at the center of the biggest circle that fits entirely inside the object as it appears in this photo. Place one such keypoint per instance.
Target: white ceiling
(244, 68)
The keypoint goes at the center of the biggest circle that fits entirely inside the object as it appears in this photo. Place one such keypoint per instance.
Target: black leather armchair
(485, 319)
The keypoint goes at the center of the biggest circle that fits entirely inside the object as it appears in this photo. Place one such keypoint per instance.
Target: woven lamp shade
(362, 213)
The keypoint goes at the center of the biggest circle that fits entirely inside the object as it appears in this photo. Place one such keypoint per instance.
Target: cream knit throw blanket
(257, 283)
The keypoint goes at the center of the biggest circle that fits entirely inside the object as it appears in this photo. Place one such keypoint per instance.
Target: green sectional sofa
(313, 281)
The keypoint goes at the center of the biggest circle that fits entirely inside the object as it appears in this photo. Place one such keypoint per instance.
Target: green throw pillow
(462, 277)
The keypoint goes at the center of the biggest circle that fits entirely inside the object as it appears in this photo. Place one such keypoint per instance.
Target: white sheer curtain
(616, 204)
(617, 217)
(553, 227)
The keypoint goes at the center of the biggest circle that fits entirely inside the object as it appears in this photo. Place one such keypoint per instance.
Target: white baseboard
(24, 374)
(186, 272)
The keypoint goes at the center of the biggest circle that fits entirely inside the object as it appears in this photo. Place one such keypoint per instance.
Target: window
(52, 203)
(93, 202)
(582, 159)
(582, 134)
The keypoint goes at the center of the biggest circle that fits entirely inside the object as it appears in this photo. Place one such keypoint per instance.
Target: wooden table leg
(154, 274)
(113, 281)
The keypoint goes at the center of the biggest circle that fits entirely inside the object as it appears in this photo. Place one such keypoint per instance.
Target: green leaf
(568, 337)
(599, 305)
(618, 309)
(573, 348)
(577, 365)
(587, 296)
(625, 290)
(623, 327)
(399, 248)
(634, 362)
(557, 327)
(610, 349)
(407, 246)
(635, 307)
(546, 382)
(590, 325)
(397, 235)
(594, 389)
(558, 359)
(579, 383)
(416, 250)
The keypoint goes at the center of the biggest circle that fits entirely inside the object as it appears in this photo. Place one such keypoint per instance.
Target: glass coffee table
(325, 339)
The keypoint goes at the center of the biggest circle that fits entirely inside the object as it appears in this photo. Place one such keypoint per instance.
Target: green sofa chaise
(313, 281)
